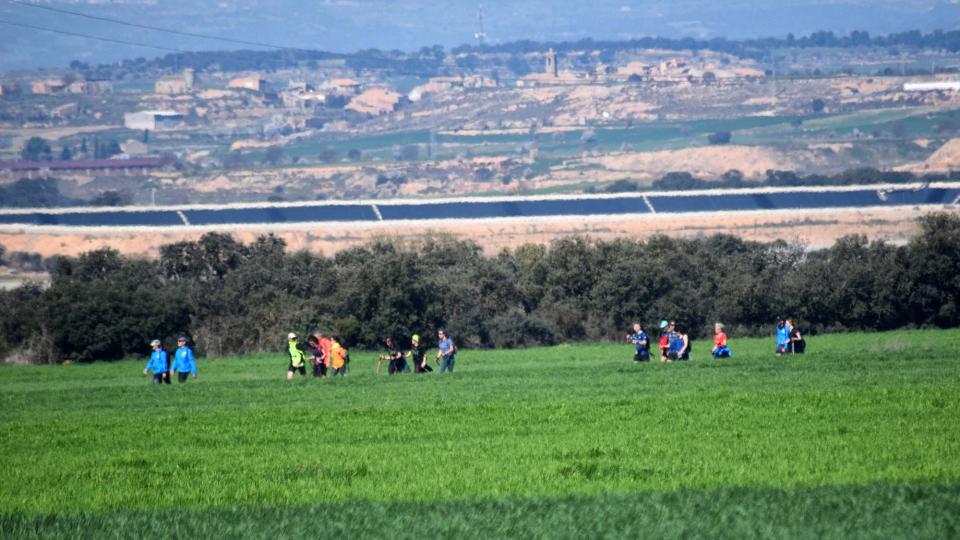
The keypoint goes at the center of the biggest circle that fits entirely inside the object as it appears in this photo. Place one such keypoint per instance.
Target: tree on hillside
(274, 155)
(36, 149)
(818, 105)
(518, 65)
(719, 137)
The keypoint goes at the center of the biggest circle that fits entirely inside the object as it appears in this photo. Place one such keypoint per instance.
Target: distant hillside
(350, 25)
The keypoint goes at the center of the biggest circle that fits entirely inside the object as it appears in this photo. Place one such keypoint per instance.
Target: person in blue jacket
(783, 336)
(184, 363)
(158, 364)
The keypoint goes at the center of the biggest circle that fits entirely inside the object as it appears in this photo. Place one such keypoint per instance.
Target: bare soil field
(814, 229)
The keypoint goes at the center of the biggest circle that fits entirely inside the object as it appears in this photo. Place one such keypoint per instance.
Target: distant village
(331, 130)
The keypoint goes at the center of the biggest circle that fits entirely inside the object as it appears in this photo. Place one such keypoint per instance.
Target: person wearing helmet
(184, 363)
(297, 358)
(158, 364)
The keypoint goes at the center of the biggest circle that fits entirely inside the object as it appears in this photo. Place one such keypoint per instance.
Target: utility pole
(153, 196)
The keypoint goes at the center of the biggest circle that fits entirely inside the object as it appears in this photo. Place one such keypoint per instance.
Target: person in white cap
(158, 364)
(297, 363)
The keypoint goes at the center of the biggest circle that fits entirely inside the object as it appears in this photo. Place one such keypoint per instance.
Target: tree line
(734, 179)
(430, 61)
(233, 298)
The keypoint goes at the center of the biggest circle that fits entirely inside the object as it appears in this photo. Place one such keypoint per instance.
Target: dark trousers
(161, 378)
(182, 376)
(319, 370)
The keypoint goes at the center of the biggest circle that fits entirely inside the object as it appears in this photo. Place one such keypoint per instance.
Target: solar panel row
(321, 212)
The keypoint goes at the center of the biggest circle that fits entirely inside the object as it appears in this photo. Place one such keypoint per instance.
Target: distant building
(184, 83)
(254, 83)
(303, 100)
(135, 148)
(90, 87)
(44, 168)
(932, 86)
(442, 84)
(342, 86)
(375, 101)
(64, 111)
(49, 86)
(153, 120)
(551, 64)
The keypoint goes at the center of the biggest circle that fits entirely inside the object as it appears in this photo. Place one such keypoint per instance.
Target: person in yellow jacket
(297, 358)
(339, 357)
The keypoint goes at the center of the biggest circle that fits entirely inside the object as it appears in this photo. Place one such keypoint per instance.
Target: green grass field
(858, 438)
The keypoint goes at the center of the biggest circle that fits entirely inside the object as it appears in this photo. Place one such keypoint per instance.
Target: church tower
(552, 63)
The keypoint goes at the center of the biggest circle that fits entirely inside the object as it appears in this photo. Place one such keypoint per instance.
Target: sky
(350, 25)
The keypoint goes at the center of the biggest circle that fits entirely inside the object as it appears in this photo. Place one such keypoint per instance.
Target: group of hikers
(328, 355)
(184, 363)
(674, 341)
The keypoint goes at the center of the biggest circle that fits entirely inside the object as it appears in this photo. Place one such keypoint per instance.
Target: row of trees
(732, 179)
(430, 61)
(38, 149)
(235, 298)
(45, 193)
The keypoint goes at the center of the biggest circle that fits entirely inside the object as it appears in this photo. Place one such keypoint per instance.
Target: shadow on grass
(872, 511)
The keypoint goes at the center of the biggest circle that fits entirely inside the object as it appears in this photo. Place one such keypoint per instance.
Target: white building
(153, 120)
(932, 86)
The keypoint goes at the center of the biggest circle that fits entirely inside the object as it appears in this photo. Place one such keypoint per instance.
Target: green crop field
(858, 438)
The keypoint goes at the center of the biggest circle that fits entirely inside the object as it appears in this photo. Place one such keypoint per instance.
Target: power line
(149, 27)
(88, 36)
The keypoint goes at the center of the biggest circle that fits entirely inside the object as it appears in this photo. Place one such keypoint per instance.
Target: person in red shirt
(665, 330)
(720, 348)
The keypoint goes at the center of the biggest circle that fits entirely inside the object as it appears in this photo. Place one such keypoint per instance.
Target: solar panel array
(479, 209)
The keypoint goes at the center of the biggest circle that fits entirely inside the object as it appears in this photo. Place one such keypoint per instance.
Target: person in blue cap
(665, 336)
(158, 364)
(641, 342)
(184, 363)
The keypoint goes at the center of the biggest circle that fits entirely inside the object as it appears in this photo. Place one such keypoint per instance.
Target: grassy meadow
(858, 438)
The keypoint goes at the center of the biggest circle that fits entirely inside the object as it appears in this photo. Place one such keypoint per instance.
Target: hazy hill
(348, 25)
